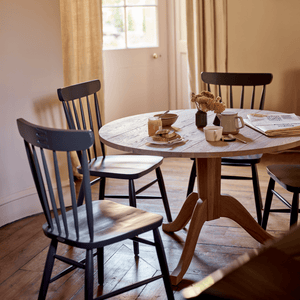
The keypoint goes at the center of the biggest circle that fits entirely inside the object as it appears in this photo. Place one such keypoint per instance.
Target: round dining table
(130, 134)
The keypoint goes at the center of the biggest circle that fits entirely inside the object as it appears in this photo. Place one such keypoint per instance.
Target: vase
(216, 121)
(201, 119)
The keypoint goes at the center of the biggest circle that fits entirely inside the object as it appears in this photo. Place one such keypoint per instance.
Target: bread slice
(165, 137)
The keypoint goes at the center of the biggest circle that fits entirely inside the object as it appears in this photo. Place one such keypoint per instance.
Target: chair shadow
(49, 112)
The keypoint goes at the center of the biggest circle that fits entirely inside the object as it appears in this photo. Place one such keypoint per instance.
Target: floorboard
(23, 246)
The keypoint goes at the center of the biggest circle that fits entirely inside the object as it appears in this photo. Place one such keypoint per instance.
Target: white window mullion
(125, 24)
(136, 38)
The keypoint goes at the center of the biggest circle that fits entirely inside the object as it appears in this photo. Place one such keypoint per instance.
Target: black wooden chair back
(43, 146)
(90, 226)
(251, 80)
(81, 106)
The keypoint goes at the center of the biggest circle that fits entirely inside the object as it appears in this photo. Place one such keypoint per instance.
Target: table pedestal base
(208, 205)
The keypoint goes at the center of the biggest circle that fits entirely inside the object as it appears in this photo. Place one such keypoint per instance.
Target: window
(129, 24)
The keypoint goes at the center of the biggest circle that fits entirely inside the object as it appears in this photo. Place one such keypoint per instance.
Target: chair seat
(113, 222)
(288, 176)
(246, 159)
(124, 166)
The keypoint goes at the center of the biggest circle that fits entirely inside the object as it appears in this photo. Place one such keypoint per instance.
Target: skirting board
(19, 209)
(21, 205)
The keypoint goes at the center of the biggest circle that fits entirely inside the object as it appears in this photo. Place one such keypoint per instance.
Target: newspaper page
(275, 124)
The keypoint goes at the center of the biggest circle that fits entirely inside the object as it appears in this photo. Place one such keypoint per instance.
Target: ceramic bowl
(168, 119)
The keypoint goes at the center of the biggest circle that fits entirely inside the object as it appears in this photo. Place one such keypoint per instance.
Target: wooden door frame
(178, 89)
(171, 21)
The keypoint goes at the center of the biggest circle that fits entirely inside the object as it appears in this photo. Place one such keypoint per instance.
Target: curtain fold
(81, 33)
(206, 40)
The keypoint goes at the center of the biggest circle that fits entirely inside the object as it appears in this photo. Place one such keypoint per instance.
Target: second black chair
(82, 111)
(288, 176)
(242, 80)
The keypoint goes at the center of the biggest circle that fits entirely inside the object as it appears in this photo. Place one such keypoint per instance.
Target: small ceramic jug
(229, 120)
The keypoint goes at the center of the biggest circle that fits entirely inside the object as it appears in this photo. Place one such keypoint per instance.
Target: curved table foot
(184, 215)
(199, 216)
(234, 210)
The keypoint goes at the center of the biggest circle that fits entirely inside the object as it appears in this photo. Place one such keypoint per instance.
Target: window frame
(125, 6)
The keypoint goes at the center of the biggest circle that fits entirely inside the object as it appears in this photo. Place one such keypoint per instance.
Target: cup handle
(242, 121)
(215, 135)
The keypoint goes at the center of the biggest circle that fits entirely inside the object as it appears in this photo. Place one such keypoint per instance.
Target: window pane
(112, 2)
(141, 27)
(113, 28)
(141, 2)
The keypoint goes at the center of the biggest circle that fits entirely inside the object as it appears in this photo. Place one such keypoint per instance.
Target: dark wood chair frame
(85, 93)
(88, 226)
(76, 120)
(270, 272)
(243, 80)
(288, 176)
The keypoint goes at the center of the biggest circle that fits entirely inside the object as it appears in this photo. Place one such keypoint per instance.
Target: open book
(274, 124)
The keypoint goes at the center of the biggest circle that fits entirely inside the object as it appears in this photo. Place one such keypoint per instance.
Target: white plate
(172, 142)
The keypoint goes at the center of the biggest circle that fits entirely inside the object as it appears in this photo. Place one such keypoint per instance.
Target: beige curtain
(206, 39)
(81, 29)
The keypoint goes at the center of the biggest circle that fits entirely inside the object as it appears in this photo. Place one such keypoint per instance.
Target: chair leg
(163, 263)
(100, 263)
(89, 275)
(48, 270)
(257, 193)
(163, 192)
(294, 209)
(102, 188)
(268, 203)
(132, 202)
(192, 179)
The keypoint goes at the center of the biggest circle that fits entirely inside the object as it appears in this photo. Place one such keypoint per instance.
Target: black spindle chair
(288, 176)
(241, 80)
(82, 111)
(92, 225)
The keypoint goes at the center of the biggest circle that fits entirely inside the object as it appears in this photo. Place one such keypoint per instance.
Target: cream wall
(30, 72)
(264, 36)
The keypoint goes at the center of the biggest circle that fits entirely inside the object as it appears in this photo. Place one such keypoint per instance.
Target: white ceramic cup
(230, 120)
(213, 133)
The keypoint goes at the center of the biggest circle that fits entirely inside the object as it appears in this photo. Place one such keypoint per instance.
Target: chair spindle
(253, 97)
(263, 94)
(60, 195)
(242, 97)
(73, 194)
(231, 97)
(44, 194)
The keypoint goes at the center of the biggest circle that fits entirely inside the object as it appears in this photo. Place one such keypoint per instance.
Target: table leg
(197, 221)
(184, 215)
(234, 210)
(208, 205)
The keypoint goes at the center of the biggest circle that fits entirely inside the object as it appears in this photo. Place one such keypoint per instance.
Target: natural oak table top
(131, 134)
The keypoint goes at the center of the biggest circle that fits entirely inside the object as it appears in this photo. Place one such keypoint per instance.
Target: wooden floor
(23, 246)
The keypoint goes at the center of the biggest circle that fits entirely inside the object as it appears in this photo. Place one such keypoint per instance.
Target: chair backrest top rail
(237, 79)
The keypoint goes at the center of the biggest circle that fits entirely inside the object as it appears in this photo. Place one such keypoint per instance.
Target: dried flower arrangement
(206, 101)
